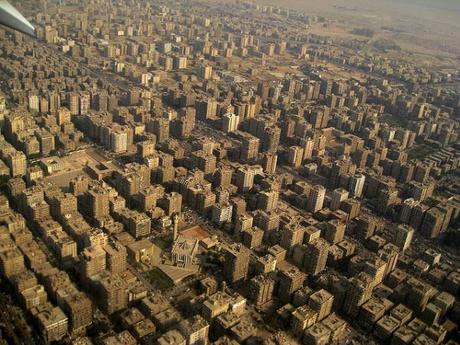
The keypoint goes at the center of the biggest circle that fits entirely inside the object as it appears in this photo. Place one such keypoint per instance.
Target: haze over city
(427, 22)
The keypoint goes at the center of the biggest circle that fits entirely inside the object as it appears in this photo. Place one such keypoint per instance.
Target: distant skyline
(432, 24)
(441, 11)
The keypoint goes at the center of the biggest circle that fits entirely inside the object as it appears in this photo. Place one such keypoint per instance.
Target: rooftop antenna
(10, 17)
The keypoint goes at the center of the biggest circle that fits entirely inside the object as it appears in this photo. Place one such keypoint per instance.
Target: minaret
(176, 226)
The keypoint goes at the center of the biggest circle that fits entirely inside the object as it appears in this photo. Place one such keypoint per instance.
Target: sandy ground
(74, 165)
(423, 25)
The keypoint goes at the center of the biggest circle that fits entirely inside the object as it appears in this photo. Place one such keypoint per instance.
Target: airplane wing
(10, 17)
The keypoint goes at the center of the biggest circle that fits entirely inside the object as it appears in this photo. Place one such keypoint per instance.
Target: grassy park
(159, 279)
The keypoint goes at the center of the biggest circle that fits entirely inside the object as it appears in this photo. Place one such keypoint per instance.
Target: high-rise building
(46, 140)
(79, 185)
(376, 268)
(321, 301)
(17, 162)
(204, 162)
(77, 307)
(334, 231)
(420, 191)
(171, 203)
(205, 72)
(63, 116)
(133, 96)
(365, 226)
(303, 318)
(160, 127)
(146, 148)
(267, 200)
(269, 162)
(406, 210)
(195, 330)
(316, 198)
(386, 199)
(236, 263)
(85, 103)
(183, 126)
(261, 289)
(359, 157)
(74, 103)
(92, 261)
(249, 147)
(358, 292)
(316, 256)
(63, 204)
(138, 224)
(115, 257)
(230, 122)
(270, 139)
(422, 171)
(417, 215)
(403, 236)
(357, 185)
(119, 139)
(101, 101)
(167, 62)
(204, 202)
(112, 293)
(206, 109)
(97, 202)
(419, 294)
(432, 222)
(290, 281)
(243, 222)
(291, 236)
(338, 195)
(244, 178)
(11, 262)
(308, 146)
(252, 237)
(54, 101)
(180, 62)
(223, 177)
(295, 156)
(222, 213)
(53, 323)
(263, 89)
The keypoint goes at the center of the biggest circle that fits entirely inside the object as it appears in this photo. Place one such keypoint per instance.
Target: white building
(357, 185)
(222, 213)
(316, 199)
(230, 122)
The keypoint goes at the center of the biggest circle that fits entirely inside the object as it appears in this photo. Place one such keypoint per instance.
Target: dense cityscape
(192, 172)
